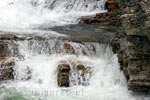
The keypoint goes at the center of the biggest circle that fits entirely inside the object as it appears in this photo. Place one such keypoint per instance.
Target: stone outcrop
(119, 47)
(108, 18)
(134, 48)
(112, 17)
(135, 17)
(73, 73)
(88, 33)
(134, 57)
(139, 63)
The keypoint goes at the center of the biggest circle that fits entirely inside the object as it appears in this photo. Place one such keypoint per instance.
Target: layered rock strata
(134, 49)
(112, 17)
(133, 45)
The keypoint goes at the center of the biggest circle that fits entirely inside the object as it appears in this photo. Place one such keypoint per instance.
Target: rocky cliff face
(134, 48)
(135, 17)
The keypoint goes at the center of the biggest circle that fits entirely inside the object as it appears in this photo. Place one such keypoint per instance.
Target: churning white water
(33, 14)
(36, 74)
(36, 71)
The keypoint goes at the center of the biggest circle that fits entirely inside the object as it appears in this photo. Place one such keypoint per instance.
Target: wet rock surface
(89, 33)
(84, 36)
(63, 74)
(109, 18)
(112, 17)
(8, 53)
(6, 70)
(71, 73)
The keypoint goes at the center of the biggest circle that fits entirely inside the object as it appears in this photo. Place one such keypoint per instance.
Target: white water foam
(34, 14)
(107, 83)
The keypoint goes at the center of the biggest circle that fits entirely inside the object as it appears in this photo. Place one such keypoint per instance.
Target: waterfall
(36, 74)
(93, 70)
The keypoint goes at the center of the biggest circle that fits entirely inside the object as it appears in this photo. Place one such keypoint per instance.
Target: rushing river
(42, 57)
(33, 14)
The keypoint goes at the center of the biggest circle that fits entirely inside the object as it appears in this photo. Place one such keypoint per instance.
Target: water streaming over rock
(31, 14)
(36, 74)
(36, 68)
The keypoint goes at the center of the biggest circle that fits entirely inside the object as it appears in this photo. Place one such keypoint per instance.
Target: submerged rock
(68, 48)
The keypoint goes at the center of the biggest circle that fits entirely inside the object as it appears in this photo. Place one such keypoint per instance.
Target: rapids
(36, 73)
(34, 14)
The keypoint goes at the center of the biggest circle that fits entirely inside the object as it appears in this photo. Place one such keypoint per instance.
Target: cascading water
(36, 72)
(33, 14)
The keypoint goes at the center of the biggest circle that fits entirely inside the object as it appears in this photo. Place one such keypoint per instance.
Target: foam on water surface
(107, 82)
(41, 58)
(34, 14)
